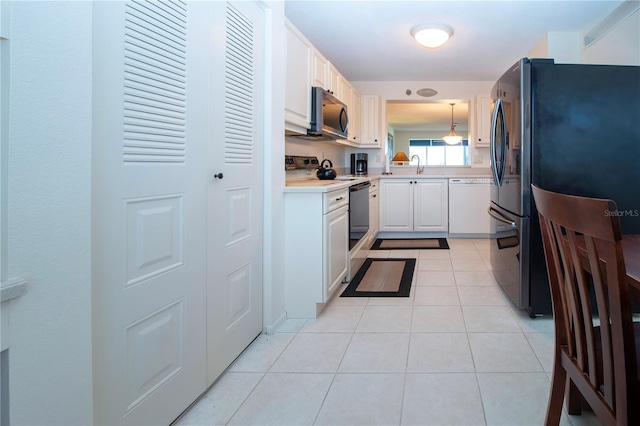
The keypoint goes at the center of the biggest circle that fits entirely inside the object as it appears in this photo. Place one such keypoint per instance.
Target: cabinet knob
(218, 175)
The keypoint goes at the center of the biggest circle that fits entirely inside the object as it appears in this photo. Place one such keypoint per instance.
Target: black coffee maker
(359, 163)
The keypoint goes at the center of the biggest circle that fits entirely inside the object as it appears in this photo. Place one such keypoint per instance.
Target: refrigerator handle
(500, 218)
(492, 146)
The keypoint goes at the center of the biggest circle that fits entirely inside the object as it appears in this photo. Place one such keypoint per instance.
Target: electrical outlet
(477, 158)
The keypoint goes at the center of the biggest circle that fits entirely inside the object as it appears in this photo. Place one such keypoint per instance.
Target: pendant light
(452, 138)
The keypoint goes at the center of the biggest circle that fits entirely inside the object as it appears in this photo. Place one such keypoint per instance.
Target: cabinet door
(319, 70)
(374, 213)
(396, 210)
(431, 205)
(370, 119)
(483, 120)
(334, 80)
(354, 118)
(336, 250)
(297, 107)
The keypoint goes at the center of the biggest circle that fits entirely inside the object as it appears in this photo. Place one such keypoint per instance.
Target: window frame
(427, 142)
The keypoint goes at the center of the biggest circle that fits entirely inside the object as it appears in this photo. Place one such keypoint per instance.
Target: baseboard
(469, 235)
(386, 234)
(276, 325)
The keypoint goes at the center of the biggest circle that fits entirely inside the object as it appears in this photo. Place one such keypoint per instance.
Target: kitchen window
(435, 152)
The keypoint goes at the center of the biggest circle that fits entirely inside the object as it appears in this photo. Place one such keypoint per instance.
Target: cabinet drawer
(333, 200)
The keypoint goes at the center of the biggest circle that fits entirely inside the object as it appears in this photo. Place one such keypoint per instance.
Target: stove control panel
(292, 162)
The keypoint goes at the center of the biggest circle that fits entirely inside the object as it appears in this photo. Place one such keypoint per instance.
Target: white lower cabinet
(317, 249)
(336, 250)
(374, 210)
(414, 205)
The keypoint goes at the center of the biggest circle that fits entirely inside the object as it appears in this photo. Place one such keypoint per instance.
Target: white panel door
(149, 209)
(234, 229)
(396, 211)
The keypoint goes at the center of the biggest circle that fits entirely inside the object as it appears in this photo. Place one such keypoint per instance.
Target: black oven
(358, 212)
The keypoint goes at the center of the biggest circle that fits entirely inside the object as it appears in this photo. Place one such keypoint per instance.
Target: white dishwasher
(469, 200)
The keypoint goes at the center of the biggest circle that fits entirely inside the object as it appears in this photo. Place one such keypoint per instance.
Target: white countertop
(317, 185)
(344, 181)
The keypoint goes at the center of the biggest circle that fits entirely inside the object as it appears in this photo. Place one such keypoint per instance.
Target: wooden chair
(597, 358)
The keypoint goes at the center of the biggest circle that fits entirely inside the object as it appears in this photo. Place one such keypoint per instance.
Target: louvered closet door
(150, 180)
(234, 278)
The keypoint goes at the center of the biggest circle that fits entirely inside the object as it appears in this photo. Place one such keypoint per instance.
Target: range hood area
(329, 118)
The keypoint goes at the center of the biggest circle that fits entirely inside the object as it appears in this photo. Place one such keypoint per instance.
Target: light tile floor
(455, 352)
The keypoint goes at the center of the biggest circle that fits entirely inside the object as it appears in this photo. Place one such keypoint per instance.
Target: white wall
(619, 46)
(562, 46)
(274, 220)
(331, 150)
(49, 213)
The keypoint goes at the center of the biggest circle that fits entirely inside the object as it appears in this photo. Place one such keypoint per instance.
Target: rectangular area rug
(410, 244)
(382, 278)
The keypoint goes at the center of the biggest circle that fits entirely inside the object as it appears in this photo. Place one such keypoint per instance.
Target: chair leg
(573, 398)
(556, 395)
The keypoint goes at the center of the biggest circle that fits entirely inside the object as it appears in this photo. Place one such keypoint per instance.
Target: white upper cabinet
(306, 68)
(483, 121)
(319, 70)
(351, 98)
(297, 109)
(355, 118)
(335, 83)
(371, 120)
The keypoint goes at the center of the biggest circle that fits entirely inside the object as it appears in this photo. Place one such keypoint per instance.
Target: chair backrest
(583, 251)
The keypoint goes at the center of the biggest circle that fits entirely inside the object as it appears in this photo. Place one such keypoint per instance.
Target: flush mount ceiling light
(452, 138)
(432, 35)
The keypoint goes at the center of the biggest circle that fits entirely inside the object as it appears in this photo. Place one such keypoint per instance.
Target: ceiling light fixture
(432, 35)
(452, 138)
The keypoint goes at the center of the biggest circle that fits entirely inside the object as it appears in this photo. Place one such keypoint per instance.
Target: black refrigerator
(569, 128)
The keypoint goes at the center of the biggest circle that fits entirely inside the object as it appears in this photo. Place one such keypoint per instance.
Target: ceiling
(370, 40)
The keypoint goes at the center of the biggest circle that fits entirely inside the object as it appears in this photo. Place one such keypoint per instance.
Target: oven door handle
(501, 218)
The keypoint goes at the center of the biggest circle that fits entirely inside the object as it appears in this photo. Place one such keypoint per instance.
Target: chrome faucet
(418, 169)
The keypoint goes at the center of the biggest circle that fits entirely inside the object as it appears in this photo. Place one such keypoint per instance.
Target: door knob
(218, 175)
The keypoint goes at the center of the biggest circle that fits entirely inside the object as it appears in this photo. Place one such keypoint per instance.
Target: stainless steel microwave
(329, 118)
